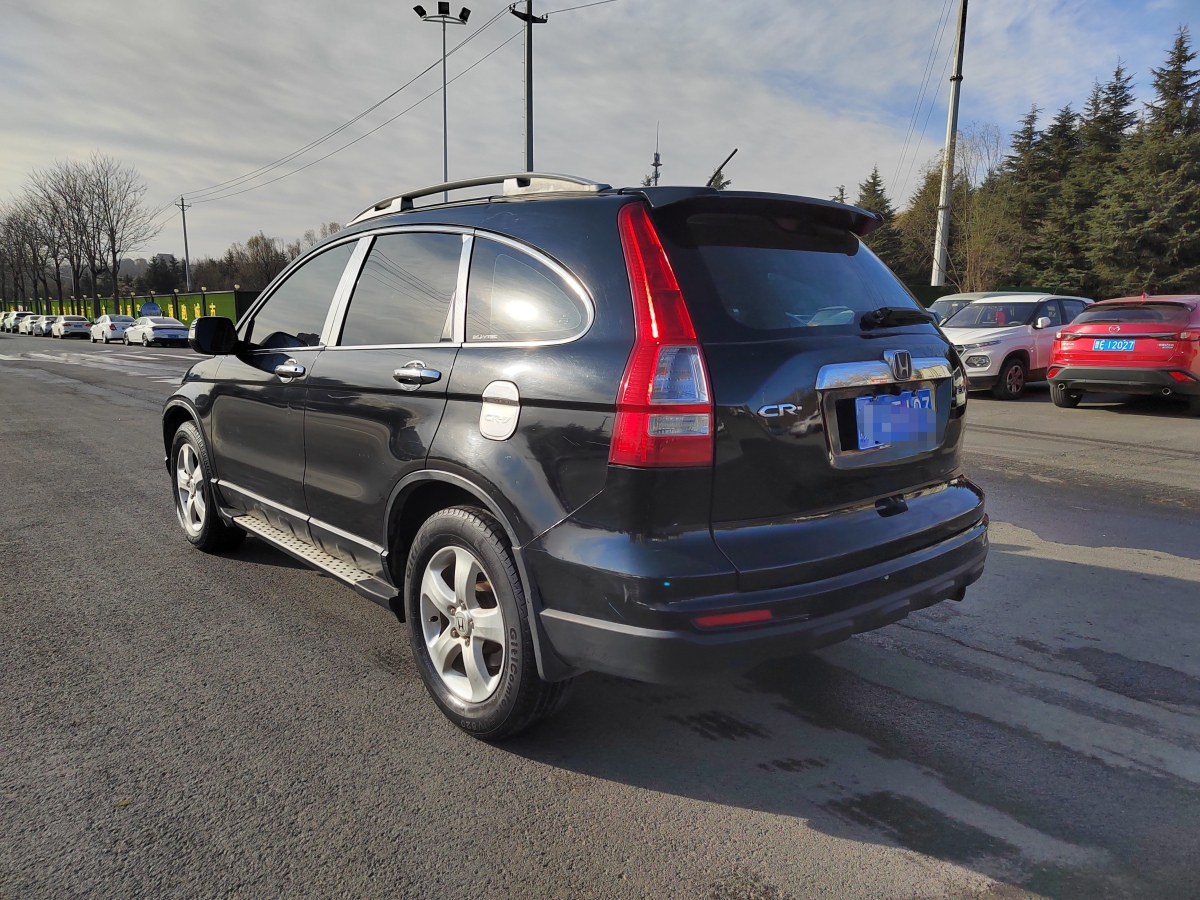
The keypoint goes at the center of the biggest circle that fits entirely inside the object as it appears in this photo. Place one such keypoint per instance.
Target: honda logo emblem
(900, 362)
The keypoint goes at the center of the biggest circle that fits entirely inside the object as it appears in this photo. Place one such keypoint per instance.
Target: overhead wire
(366, 134)
(914, 117)
(932, 103)
(200, 193)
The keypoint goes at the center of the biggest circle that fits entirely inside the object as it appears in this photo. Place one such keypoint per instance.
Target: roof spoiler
(841, 215)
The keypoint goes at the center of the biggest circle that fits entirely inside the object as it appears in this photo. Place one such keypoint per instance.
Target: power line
(932, 102)
(433, 93)
(584, 6)
(934, 46)
(261, 170)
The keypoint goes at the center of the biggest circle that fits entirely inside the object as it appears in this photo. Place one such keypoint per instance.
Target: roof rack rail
(514, 184)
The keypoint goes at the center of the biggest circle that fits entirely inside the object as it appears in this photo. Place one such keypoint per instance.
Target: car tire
(1064, 398)
(145, 343)
(93, 338)
(191, 488)
(489, 688)
(1010, 383)
(126, 340)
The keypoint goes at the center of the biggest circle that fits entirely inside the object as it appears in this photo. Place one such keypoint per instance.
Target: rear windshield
(948, 307)
(782, 273)
(1150, 313)
(991, 315)
(160, 320)
(122, 319)
(74, 319)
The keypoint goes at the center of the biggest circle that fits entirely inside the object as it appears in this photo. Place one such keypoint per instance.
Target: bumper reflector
(738, 618)
(1183, 376)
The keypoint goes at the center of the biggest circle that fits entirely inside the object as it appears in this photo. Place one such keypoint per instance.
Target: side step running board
(349, 574)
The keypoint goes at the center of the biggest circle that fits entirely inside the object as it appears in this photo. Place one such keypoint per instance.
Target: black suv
(662, 433)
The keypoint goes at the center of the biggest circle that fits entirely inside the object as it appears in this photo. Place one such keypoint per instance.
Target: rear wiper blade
(894, 315)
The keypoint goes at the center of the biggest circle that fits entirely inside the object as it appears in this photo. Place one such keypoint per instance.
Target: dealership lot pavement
(191, 725)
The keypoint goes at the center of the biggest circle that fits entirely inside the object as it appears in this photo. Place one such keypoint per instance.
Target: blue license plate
(907, 420)
(1113, 344)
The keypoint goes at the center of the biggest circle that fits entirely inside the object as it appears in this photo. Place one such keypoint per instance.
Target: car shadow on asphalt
(258, 552)
(896, 763)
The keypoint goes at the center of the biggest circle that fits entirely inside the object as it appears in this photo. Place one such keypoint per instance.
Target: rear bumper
(861, 601)
(1121, 380)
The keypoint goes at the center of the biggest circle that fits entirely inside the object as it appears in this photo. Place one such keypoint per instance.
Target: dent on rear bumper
(850, 603)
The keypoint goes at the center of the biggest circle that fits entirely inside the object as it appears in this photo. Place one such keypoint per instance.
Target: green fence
(184, 307)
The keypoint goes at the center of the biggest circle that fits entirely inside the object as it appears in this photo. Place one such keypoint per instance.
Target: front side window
(513, 297)
(294, 314)
(1050, 311)
(405, 291)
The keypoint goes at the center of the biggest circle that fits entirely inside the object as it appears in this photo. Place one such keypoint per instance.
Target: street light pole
(443, 16)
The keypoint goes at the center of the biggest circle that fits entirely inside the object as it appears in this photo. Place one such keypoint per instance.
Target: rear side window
(1148, 313)
(405, 291)
(513, 297)
(1072, 308)
(776, 273)
(294, 314)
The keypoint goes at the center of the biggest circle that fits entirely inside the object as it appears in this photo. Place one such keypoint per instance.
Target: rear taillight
(112, 327)
(1052, 371)
(664, 410)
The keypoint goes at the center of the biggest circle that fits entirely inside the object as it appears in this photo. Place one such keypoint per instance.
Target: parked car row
(1128, 345)
(146, 330)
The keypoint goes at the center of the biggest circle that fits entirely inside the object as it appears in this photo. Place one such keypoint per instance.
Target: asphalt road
(176, 724)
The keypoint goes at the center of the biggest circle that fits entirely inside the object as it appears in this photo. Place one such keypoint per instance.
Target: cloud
(813, 94)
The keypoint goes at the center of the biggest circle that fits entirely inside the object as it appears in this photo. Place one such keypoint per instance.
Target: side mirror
(212, 336)
(1043, 322)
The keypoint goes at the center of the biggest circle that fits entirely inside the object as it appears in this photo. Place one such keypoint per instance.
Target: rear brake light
(112, 327)
(664, 411)
(737, 618)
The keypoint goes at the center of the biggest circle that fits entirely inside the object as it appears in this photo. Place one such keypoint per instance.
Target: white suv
(1005, 340)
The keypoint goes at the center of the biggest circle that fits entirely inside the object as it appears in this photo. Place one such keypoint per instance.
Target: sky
(812, 94)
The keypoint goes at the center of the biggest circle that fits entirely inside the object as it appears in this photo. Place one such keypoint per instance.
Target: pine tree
(884, 240)
(1144, 234)
(1176, 109)
(839, 196)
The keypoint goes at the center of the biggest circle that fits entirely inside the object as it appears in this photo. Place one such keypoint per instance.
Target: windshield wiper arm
(887, 316)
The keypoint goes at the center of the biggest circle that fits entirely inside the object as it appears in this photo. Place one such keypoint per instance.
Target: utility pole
(530, 20)
(941, 244)
(187, 263)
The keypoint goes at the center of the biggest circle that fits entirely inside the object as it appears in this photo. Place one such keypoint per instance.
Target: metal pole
(528, 85)
(445, 129)
(941, 244)
(187, 263)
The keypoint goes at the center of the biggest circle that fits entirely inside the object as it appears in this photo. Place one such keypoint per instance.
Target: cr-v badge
(775, 410)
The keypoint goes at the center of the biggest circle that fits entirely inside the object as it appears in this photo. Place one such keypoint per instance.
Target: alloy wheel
(189, 488)
(1014, 379)
(462, 624)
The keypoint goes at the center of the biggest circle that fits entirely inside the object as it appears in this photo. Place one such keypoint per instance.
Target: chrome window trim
(576, 286)
(458, 304)
(872, 372)
(341, 297)
(298, 516)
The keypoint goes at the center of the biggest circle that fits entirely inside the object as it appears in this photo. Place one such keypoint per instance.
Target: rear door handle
(416, 374)
(290, 369)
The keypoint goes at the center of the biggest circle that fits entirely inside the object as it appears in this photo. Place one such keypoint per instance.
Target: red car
(1131, 345)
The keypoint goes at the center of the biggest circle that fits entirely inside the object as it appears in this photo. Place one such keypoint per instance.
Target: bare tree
(122, 219)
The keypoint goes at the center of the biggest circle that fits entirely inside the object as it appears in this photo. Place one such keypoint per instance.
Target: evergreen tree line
(1101, 202)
